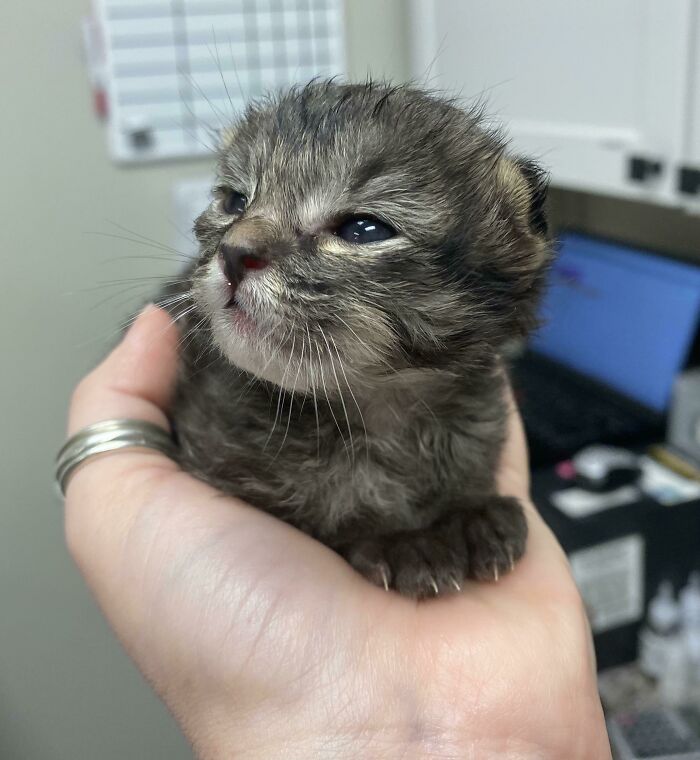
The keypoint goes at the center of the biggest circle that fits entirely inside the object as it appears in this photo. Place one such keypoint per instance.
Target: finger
(135, 381)
(513, 479)
(514, 470)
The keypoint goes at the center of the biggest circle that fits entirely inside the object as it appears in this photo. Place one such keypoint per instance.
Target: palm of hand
(265, 643)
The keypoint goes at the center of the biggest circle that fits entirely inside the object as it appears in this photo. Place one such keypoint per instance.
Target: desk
(619, 557)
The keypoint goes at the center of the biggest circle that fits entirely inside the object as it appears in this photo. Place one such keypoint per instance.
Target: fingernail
(135, 327)
(147, 309)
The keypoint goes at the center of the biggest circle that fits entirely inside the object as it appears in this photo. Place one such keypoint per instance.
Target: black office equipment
(619, 556)
(617, 327)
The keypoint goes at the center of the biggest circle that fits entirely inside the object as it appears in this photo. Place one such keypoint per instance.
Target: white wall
(67, 692)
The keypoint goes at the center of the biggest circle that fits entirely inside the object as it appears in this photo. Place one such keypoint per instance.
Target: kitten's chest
(307, 462)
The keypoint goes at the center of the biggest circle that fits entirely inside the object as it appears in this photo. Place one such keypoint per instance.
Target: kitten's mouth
(238, 315)
(232, 303)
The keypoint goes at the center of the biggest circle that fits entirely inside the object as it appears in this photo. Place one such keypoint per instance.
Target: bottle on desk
(658, 639)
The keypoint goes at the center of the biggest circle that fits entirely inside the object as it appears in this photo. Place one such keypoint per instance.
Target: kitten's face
(358, 230)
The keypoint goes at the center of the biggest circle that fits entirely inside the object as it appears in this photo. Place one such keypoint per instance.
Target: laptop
(618, 325)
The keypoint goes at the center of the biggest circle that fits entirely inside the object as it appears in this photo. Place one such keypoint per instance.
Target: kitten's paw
(415, 563)
(481, 541)
(494, 533)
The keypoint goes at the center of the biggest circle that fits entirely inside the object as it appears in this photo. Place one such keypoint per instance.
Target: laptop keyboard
(562, 415)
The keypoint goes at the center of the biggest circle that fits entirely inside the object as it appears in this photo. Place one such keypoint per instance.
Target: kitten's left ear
(538, 184)
(522, 188)
(526, 185)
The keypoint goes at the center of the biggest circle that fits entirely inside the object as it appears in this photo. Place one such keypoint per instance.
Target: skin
(264, 643)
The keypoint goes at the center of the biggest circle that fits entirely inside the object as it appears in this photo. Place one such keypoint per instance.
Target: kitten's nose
(237, 259)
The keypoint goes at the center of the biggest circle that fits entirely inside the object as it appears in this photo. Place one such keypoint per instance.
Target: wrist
(384, 743)
(264, 736)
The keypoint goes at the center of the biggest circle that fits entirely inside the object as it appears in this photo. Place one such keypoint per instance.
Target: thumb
(136, 380)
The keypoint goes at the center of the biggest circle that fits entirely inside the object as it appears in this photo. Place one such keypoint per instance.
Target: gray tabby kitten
(368, 253)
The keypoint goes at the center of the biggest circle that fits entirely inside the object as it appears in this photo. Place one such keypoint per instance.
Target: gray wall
(67, 692)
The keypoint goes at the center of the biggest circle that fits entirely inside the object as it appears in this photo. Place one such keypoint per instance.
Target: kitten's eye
(361, 230)
(234, 203)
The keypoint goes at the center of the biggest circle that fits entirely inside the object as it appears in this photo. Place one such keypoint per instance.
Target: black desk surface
(672, 547)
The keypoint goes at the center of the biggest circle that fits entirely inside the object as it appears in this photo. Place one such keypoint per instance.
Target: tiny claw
(496, 575)
(511, 562)
(385, 579)
(434, 586)
(455, 584)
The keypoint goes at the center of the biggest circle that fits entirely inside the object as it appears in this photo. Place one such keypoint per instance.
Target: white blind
(177, 69)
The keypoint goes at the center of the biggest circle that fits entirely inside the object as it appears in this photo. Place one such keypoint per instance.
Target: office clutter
(656, 734)
(659, 636)
(605, 468)
(684, 422)
(669, 648)
(654, 706)
(601, 477)
(623, 543)
(618, 326)
(596, 386)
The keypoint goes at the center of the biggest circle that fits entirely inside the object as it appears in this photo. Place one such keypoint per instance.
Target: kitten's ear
(538, 183)
(522, 189)
(527, 186)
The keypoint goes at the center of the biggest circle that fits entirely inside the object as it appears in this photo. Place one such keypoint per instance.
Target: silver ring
(110, 435)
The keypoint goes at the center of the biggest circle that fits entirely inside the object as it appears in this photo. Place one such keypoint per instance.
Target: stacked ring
(110, 435)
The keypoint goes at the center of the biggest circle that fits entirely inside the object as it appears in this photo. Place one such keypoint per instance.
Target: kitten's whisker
(359, 410)
(221, 73)
(147, 239)
(340, 393)
(280, 395)
(211, 147)
(149, 280)
(187, 237)
(235, 70)
(183, 314)
(190, 335)
(308, 383)
(291, 400)
(193, 83)
(253, 379)
(313, 389)
(207, 146)
(328, 400)
(123, 291)
(136, 241)
(150, 257)
(163, 303)
(370, 350)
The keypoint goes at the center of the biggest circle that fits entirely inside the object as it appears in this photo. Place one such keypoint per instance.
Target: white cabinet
(602, 92)
(689, 171)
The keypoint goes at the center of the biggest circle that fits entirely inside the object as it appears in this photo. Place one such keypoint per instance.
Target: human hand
(264, 643)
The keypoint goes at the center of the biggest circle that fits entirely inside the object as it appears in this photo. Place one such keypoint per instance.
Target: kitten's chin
(239, 340)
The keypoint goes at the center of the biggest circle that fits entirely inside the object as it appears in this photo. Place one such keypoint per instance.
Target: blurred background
(109, 114)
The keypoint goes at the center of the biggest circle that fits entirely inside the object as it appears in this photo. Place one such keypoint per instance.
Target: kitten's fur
(356, 391)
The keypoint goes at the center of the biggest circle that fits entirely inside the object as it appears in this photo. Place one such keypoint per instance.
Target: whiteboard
(178, 71)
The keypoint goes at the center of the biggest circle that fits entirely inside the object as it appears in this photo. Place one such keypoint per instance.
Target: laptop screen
(624, 317)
